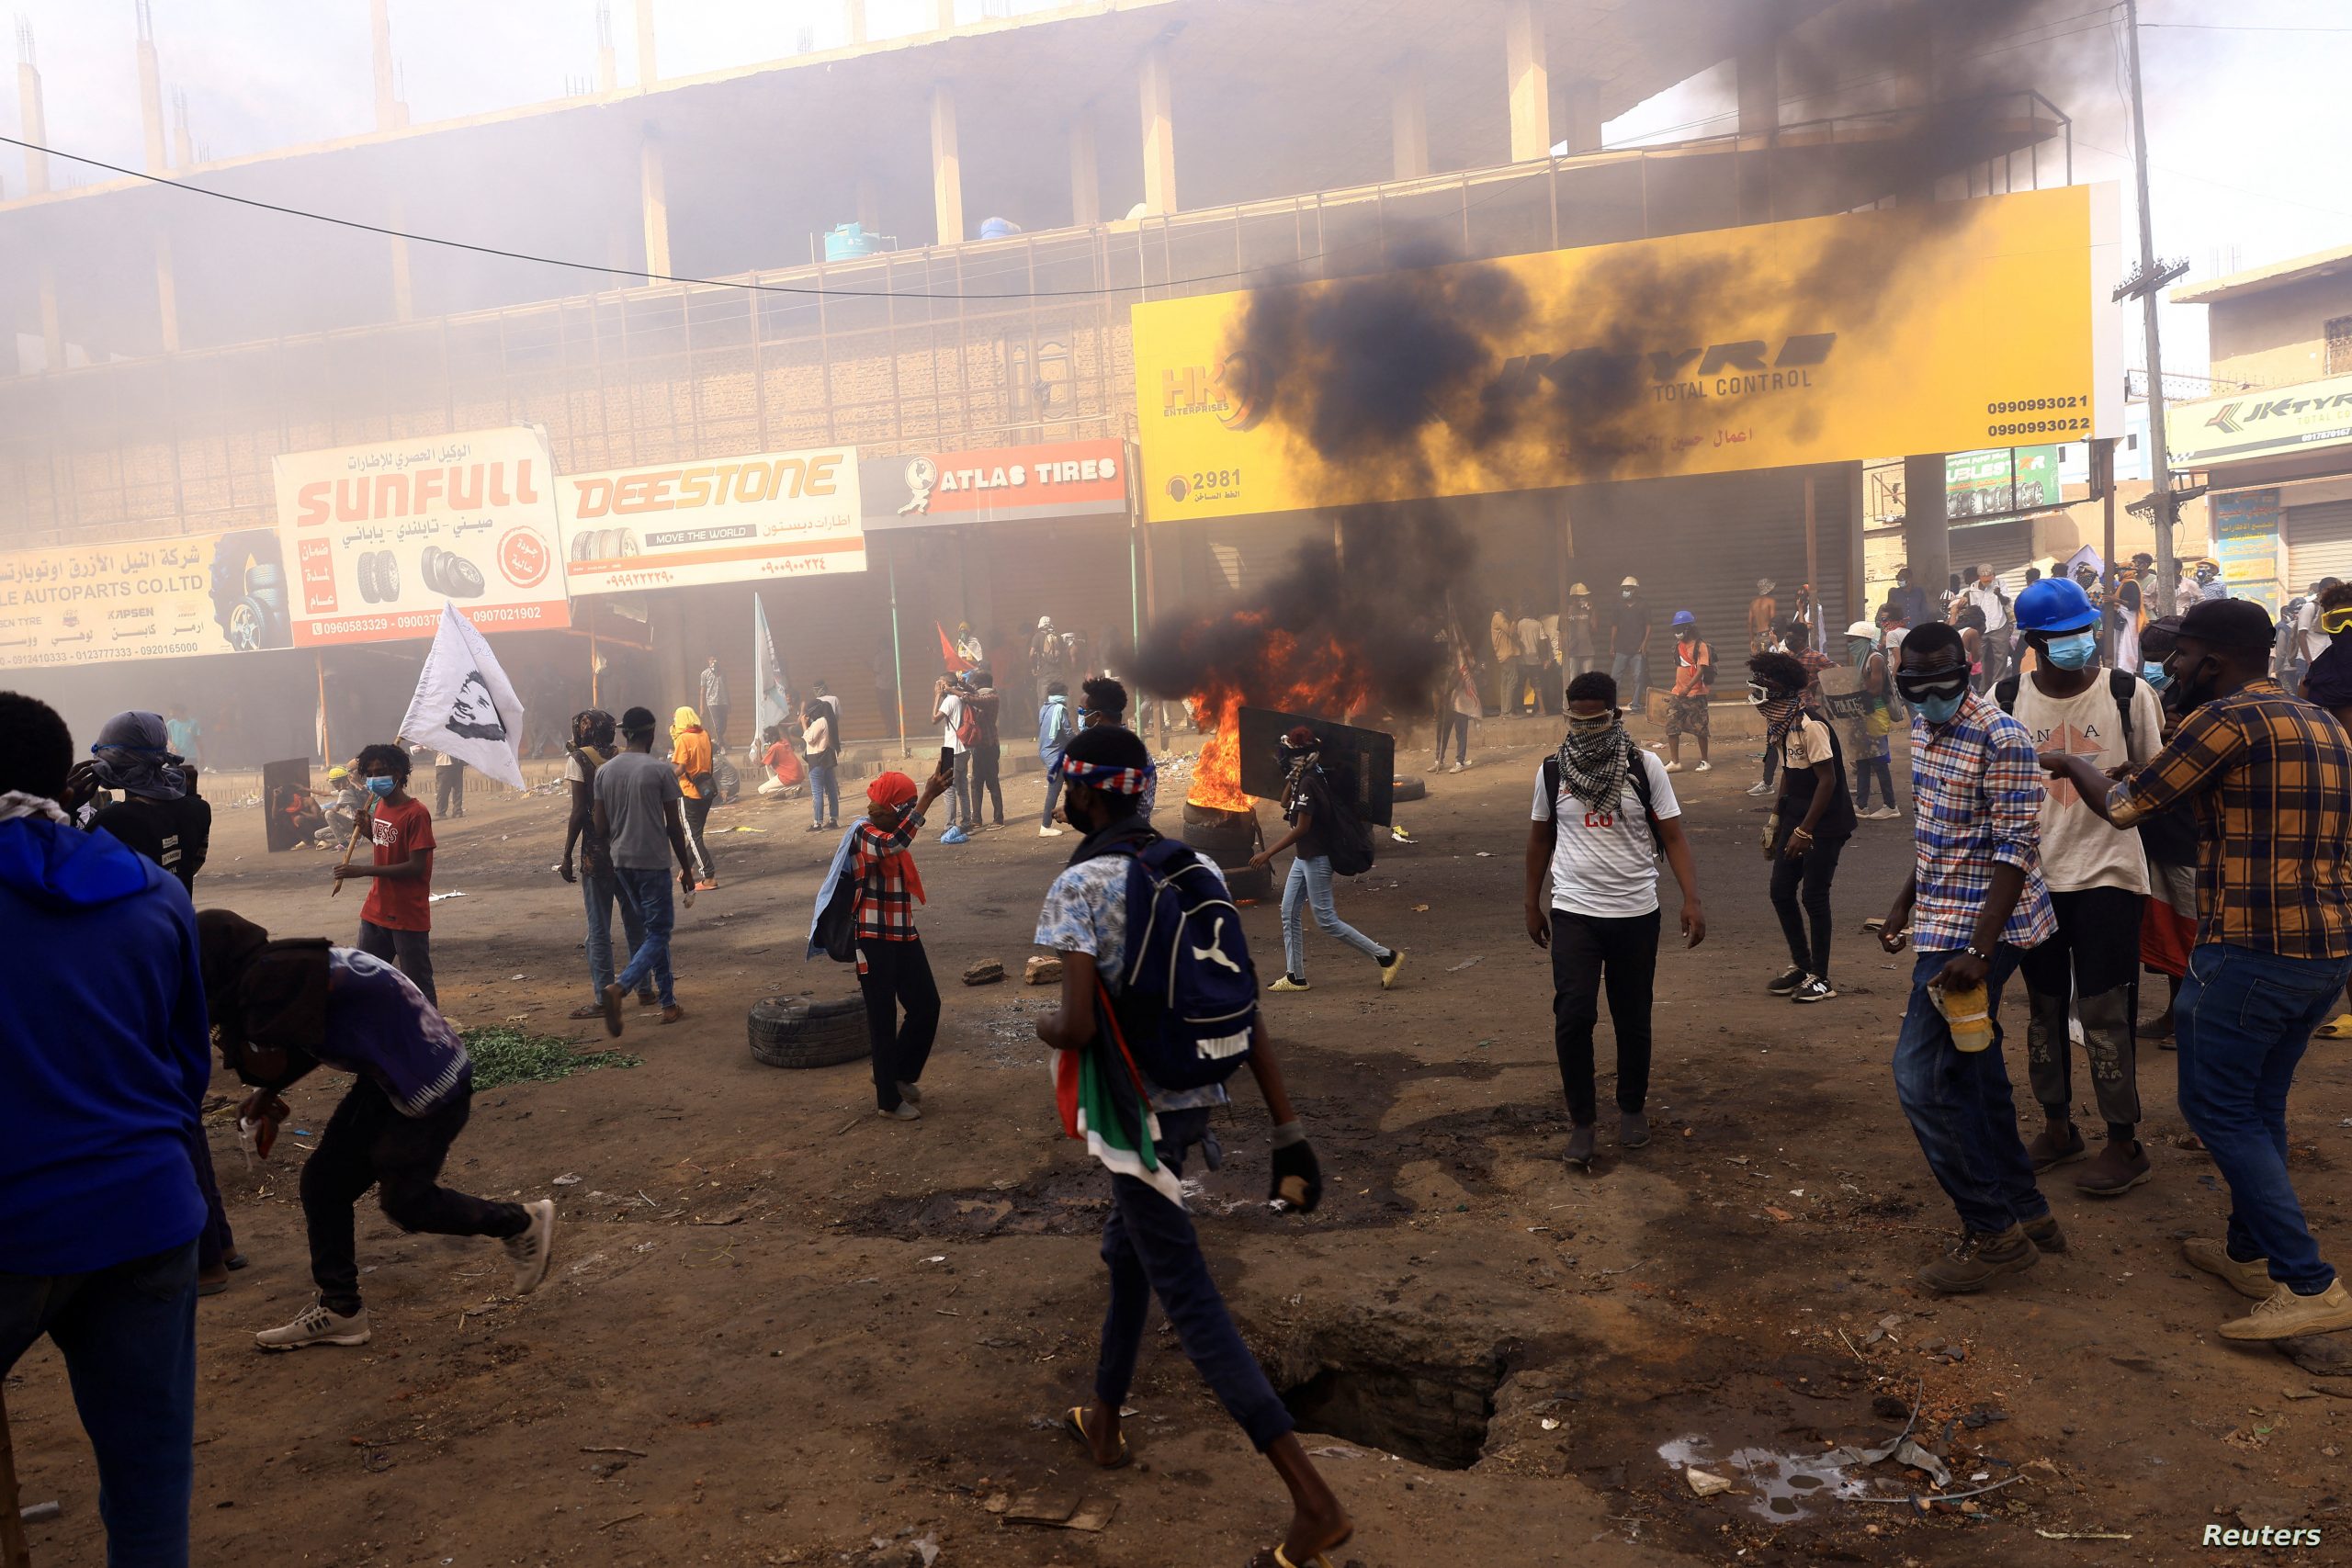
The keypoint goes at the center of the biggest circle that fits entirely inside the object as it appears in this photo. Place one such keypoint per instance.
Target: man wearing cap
(2097, 878)
(893, 971)
(1694, 682)
(1629, 644)
(2272, 780)
(1580, 638)
(1762, 612)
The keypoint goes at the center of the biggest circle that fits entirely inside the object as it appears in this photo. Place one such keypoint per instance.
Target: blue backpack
(1188, 1004)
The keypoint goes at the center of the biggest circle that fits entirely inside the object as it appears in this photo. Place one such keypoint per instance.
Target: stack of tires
(1229, 839)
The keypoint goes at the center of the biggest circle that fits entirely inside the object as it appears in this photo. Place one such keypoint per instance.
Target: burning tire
(1408, 786)
(1229, 838)
(808, 1034)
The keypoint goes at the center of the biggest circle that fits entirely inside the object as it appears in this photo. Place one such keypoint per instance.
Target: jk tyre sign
(1943, 327)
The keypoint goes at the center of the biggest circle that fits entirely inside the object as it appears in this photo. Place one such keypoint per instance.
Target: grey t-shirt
(631, 788)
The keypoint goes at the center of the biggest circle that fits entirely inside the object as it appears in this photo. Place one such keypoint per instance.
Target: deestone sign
(731, 520)
(1943, 327)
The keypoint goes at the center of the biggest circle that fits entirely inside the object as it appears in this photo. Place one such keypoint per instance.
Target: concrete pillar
(168, 295)
(1927, 528)
(1530, 91)
(380, 23)
(52, 323)
(1159, 133)
(1578, 124)
(1085, 180)
(655, 194)
(1409, 122)
(854, 16)
(151, 97)
(869, 205)
(947, 167)
(183, 140)
(404, 288)
(36, 123)
(646, 73)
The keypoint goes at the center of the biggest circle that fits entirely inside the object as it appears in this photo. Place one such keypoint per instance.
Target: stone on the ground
(987, 972)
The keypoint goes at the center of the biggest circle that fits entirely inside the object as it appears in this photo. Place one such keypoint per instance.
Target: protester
(1527, 635)
(1763, 614)
(2097, 878)
(1974, 903)
(1694, 684)
(1629, 641)
(1989, 599)
(1604, 810)
(1312, 806)
(1812, 819)
(396, 921)
(1049, 657)
(785, 770)
(2272, 778)
(448, 787)
(593, 745)
(2209, 586)
(820, 740)
(988, 747)
(1869, 737)
(1579, 633)
(1812, 615)
(2168, 925)
(280, 1010)
(638, 807)
(893, 970)
(1457, 689)
(2328, 684)
(103, 1064)
(1148, 1241)
(160, 814)
(346, 808)
(958, 734)
(1502, 640)
(185, 734)
(1103, 705)
(1909, 600)
(2310, 639)
(1055, 729)
(710, 688)
(691, 754)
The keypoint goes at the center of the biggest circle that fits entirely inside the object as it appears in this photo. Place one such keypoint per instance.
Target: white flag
(767, 674)
(464, 708)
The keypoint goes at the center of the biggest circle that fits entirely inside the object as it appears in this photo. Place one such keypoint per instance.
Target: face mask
(1624, 594)
(1938, 696)
(382, 787)
(1858, 646)
(2156, 675)
(1938, 710)
(2072, 651)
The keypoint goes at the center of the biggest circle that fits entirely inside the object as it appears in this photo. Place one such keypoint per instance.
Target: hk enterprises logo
(2232, 417)
(1234, 391)
(1717, 370)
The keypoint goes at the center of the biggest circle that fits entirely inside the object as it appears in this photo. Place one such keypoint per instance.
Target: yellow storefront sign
(1937, 328)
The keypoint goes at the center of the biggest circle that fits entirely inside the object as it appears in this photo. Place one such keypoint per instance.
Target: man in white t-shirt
(2308, 641)
(1592, 899)
(2098, 885)
(1987, 595)
(948, 710)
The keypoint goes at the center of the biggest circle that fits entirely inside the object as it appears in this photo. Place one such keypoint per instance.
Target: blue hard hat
(2055, 604)
(1685, 618)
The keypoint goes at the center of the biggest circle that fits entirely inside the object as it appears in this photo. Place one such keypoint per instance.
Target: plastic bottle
(1968, 1011)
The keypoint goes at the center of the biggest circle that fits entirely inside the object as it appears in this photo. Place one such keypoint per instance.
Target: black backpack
(1636, 774)
(2170, 836)
(1346, 839)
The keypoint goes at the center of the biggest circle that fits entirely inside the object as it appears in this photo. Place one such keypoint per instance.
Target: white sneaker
(1759, 787)
(315, 1325)
(1049, 832)
(905, 1112)
(1465, 765)
(533, 1249)
(1456, 767)
(1704, 766)
(1674, 767)
(910, 1094)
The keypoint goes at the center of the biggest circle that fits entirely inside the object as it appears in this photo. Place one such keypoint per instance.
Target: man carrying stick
(396, 922)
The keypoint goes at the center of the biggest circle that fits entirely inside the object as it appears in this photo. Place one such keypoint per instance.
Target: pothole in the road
(1433, 1411)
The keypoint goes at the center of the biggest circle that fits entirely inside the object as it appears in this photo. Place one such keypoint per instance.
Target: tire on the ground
(792, 1033)
(1408, 786)
(1251, 882)
(1229, 841)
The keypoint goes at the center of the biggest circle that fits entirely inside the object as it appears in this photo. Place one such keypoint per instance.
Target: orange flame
(1327, 679)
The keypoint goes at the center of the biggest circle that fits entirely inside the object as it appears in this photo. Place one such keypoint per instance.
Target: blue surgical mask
(382, 788)
(1938, 710)
(2157, 677)
(2075, 650)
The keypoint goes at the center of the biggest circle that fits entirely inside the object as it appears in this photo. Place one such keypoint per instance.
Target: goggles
(2337, 622)
(1760, 694)
(1937, 684)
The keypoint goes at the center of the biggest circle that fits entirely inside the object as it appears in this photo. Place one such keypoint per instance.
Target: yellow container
(1968, 1011)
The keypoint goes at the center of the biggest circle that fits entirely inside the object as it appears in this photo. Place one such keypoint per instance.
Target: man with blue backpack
(1054, 730)
(1158, 1009)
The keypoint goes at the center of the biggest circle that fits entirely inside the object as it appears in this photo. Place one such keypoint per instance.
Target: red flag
(947, 654)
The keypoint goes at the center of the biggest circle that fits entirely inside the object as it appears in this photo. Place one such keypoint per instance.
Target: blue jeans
(128, 1334)
(649, 891)
(1053, 791)
(1310, 884)
(1632, 671)
(1150, 1246)
(1961, 1107)
(824, 793)
(598, 891)
(2242, 1021)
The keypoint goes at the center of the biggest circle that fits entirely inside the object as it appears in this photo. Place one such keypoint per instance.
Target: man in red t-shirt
(396, 922)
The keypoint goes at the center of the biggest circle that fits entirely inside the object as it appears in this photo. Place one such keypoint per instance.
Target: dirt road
(780, 1330)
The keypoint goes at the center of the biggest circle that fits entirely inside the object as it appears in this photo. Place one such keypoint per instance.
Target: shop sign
(174, 598)
(2276, 422)
(1064, 479)
(2000, 480)
(750, 519)
(2245, 539)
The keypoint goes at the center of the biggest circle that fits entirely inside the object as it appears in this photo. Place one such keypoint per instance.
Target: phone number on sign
(2072, 416)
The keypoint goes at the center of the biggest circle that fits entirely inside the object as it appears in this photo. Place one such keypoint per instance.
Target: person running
(160, 814)
(893, 970)
(1695, 684)
(1868, 736)
(2272, 780)
(593, 745)
(1812, 819)
(820, 738)
(691, 755)
(1148, 1241)
(638, 808)
(988, 747)
(396, 921)
(1974, 903)
(1604, 811)
(280, 1010)
(2097, 878)
(104, 1058)
(1055, 730)
(1309, 807)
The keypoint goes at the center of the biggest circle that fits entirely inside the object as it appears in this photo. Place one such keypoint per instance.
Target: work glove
(1298, 1179)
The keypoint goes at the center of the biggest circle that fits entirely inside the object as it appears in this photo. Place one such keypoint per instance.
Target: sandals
(1074, 1423)
(1275, 1557)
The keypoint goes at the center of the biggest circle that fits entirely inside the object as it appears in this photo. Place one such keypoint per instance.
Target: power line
(2242, 27)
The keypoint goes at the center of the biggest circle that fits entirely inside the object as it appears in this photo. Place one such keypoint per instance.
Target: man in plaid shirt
(2272, 780)
(892, 970)
(1974, 901)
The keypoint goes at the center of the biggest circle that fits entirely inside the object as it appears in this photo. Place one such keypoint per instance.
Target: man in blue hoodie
(103, 1062)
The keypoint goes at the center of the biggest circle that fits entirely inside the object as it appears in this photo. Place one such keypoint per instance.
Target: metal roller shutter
(1074, 568)
(2319, 544)
(1245, 554)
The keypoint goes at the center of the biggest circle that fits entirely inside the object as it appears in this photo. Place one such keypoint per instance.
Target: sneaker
(1814, 989)
(2248, 1279)
(1456, 767)
(2121, 1166)
(2051, 1146)
(1791, 979)
(1465, 765)
(2285, 1315)
(1980, 1259)
(315, 1325)
(1887, 814)
(910, 1093)
(1391, 966)
(901, 1112)
(1579, 1150)
(1288, 983)
(2044, 1233)
(1760, 788)
(1704, 766)
(1049, 832)
(1672, 768)
(533, 1249)
(1632, 1130)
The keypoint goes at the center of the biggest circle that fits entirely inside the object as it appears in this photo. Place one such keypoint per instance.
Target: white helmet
(1045, 622)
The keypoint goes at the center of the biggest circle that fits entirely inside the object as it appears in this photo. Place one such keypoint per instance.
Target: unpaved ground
(782, 1331)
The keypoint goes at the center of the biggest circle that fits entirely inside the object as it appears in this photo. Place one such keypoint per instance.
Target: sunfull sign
(2278, 422)
(174, 598)
(772, 514)
(379, 536)
(1818, 339)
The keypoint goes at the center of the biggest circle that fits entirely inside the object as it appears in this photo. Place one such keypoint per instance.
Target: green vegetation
(504, 1055)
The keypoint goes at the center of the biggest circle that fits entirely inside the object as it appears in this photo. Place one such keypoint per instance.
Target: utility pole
(2147, 282)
